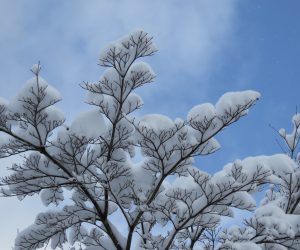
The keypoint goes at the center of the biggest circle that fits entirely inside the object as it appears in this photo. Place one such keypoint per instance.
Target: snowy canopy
(109, 165)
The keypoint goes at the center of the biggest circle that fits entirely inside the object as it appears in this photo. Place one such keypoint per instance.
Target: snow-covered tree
(109, 164)
(275, 224)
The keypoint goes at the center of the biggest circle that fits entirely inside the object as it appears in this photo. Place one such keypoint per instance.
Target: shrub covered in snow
(91, 164)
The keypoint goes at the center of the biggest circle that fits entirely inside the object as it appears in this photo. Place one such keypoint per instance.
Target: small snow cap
(36, 68)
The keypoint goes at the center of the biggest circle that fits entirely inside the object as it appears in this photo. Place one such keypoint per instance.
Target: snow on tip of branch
(291, 139)
(211, 146)
(133, 102)
(156, 122)
(136, 37)
(139, 74)
(274, 217)
(141, 67)
(32, 88)
(49, 196)
(36, 68)
(143, 179)
(273, 166)
(282, 132)
(296, 119)
(90, 124)
(94, 98)
(55, 114)
(110, 74)
(207, 119)
(233, 100)
(228, 103)
(199, 113)
(121, 53)
(108, 84)
(112, 46)
(186, 182)
(278, 162)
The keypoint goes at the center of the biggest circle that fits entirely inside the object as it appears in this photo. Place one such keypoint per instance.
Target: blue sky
(206, 48)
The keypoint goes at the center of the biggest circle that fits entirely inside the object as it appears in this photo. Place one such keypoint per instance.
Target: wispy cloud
(67, 37)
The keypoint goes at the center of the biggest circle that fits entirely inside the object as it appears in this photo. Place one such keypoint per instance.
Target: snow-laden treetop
(95, 159)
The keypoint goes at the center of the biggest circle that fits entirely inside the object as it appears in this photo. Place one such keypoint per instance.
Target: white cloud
(67, 37)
